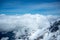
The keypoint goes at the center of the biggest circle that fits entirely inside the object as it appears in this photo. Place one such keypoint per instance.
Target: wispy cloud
(19, 7)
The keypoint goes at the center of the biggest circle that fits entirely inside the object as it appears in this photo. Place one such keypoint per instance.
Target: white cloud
(5, 38)
(9, 22)
(27, 21)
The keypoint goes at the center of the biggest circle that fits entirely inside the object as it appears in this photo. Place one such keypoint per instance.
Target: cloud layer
(27, 21)
(19, 23)
(11, 22)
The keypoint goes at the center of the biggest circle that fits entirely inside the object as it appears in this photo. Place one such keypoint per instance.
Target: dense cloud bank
(32, 24)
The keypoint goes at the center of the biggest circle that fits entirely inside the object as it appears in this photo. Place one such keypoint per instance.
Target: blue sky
(45, 7)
